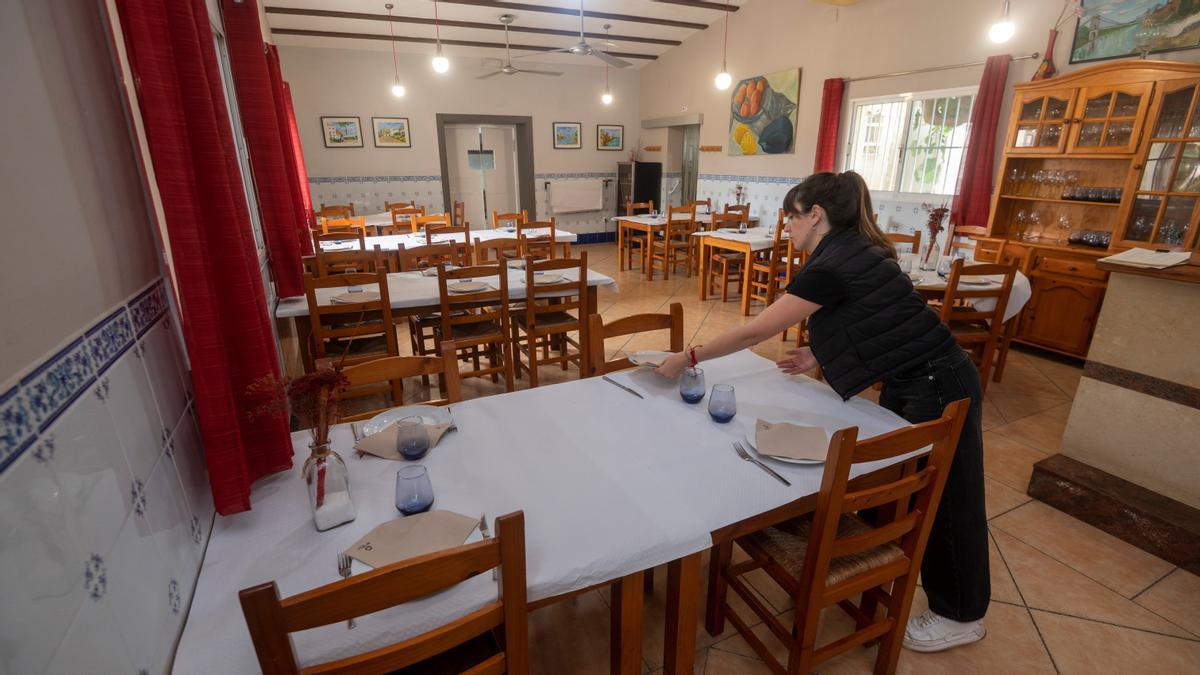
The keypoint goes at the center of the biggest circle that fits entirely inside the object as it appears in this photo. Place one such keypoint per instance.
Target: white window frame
(897, 161)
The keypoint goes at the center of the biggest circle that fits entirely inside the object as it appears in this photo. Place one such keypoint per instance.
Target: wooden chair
(401, 218)
(598, 332)
(772, 269)
(706, 203)
(542, 246)
(913, 239)
(349, 262)
(387, 206)
(982, 250)
(335, 210)
(419, 223)
(545, 320)
(959, 234)
(743, 211)
(464, 246)
(494, 250)
(981, 333)
(379, 376)
(271, 619)
(343, 237)
(500, 220)
(478, 323)
(723, 266)
(635, 240)
(832, 555)
(351, 224)
(458, 214)
(416, 258)
(674, 246)
(344, 334)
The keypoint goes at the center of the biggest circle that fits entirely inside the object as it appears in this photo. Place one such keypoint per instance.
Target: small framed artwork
(342, 132)
(1113, 29)
(610, 136)
(568, 136)
(391, 132)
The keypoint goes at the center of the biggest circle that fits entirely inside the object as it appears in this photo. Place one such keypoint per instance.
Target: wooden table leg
(625, 643)
(704, 266)
(648, 254)
(746, 281)
(683, 600)
(621, 244)
(304, 338)
(593, 299)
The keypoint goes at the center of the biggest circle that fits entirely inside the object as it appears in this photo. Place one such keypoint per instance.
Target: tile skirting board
(1156, 524)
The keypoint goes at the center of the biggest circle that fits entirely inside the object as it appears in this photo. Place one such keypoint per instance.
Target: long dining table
(390, 242)
(602, 502)
(417, 293)
(747, 244)
(650, 225)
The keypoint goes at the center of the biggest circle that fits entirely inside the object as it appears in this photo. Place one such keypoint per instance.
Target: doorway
(689, 171)
(487, 164)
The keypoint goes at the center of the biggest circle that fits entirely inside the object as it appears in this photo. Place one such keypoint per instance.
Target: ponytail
(846, 200)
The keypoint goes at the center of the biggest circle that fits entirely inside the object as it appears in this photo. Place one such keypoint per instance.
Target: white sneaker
(930, 632)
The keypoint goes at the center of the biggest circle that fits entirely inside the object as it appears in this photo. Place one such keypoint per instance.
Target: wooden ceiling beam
(523, 7)
(430, 41)
(702, 4)
(334, 14)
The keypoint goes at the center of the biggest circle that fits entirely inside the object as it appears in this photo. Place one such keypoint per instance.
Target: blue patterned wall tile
(17, 430)
(56, 383)
(148, 306)
(110, 338)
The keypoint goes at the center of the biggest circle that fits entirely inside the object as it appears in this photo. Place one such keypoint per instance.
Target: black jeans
(955, 569)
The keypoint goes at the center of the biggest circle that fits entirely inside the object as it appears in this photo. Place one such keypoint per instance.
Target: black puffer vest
(882, 327)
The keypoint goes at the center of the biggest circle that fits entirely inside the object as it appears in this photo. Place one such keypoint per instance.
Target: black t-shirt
(818, 285)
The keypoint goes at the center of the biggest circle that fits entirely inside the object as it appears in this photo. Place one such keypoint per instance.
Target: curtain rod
(934, 69)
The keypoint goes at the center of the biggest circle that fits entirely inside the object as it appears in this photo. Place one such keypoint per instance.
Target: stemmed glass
(414, 492)
(722, 406)
(1064, 227)
(1035, 225)
(691, 385)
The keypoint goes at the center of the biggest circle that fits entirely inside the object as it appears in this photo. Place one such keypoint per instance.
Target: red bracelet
(692, 355)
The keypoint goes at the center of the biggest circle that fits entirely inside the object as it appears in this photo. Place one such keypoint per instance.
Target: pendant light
(397, 88)
(723, 78)
(441, 64)
(606, 98)
(1002, 30)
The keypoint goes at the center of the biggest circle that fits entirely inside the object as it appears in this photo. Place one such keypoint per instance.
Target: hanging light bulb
(1002, 30)
(723, 78)
(397, 88)
(606, 98)
(441, 64)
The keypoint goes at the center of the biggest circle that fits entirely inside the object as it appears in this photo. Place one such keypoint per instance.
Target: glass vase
(328, 483)
(929, 256)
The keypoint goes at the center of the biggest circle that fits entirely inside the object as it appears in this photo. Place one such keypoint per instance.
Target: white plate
(977, 282)
(432, 271)
(350, 298)
(648, 358)
(430, 415)
(468, 287)
(546, 279)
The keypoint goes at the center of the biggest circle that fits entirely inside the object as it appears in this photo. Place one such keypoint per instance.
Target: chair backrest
(462, 241)
(340, 236)
(643, 207)
(419, 223)
(567, 294)
(743, 211)
(985, 250)
(913, 239)
(387, 206)
(458, 214)
(598, 332)
(500, 220)
(335, 210)
(336, 323)
(726, 220)
(402, 214)
(349, 262)
(958, 232)
(681, 221)
(271, 619)
(953, 310)
(904, 507)
(494, 297)
(493, 250)
(532, 242)
(380, 376)
(420, 257)
(349, 224)
(706, 203)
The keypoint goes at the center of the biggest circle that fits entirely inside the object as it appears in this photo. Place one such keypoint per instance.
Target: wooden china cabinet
(1095, 162)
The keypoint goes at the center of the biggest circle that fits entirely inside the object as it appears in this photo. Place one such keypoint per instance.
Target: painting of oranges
(763, 114)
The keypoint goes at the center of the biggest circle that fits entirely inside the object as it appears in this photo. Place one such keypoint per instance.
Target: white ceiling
(447, 10)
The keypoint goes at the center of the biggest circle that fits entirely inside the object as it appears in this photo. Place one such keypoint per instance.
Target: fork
(343, 561)
(487, 534)
(737, 447)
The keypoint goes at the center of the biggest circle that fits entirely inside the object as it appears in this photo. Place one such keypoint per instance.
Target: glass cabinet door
(1041, 121)
(1164, 209)
(1109, 119)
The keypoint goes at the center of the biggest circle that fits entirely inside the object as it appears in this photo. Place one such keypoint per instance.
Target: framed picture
(610, 137)
(342, 132)
(391, 132)
(568, 136)
(762, 119)
(1111, 29)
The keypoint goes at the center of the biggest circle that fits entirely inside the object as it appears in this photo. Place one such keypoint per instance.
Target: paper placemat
(790, 441)
(546, 279)
(354, 298)
(383, 444)
(412, 536)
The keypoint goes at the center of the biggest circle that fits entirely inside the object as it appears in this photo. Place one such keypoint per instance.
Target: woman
(867, 324)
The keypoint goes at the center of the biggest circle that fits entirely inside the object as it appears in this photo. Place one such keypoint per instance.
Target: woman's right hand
(797, 361)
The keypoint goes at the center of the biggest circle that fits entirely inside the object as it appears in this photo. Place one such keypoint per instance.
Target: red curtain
(223, 303)
(831, 116)
(297, 174)
(260, 107)
(974, 196)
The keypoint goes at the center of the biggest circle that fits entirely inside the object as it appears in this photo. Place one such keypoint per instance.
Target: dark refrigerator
(638, 182)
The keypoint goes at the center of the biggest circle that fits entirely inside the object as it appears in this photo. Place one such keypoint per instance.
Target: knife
(612, 381)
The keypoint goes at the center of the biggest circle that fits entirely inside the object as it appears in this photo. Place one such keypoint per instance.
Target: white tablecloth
(759, 238)
(647, 219)
(392, 241)
(1017, 297)
(610, 484)
(414, 289)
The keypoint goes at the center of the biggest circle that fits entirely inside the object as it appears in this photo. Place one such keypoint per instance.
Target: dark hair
(846, 200)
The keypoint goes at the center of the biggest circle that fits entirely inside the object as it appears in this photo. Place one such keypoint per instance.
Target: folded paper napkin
(383, 444)
(790, 441)
(351, 298)
(412, 536)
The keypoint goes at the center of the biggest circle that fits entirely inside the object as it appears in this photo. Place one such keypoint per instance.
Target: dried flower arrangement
(933, 225)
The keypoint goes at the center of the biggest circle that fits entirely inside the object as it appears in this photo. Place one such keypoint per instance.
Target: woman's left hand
(673, 365)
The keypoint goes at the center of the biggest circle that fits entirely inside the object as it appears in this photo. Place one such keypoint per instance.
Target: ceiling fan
(508, 68)
(582, 48)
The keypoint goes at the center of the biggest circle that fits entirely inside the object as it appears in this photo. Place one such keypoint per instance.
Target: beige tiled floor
(1066, 596)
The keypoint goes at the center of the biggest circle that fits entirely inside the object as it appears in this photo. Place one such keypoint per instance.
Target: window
(911, 143)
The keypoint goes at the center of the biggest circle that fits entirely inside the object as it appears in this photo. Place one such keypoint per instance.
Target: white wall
(357, 82)
(104, 503)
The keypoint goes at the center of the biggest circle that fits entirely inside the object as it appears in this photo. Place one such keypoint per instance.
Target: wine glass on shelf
(1064, 228)
(1035, 225)
(1072, 179)
(1014, 177)
(1020, 222)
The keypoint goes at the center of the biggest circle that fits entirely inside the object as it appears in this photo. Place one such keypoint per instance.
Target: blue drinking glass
(414, 492)
(722, 406)
(691, 385)
(412, 440)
